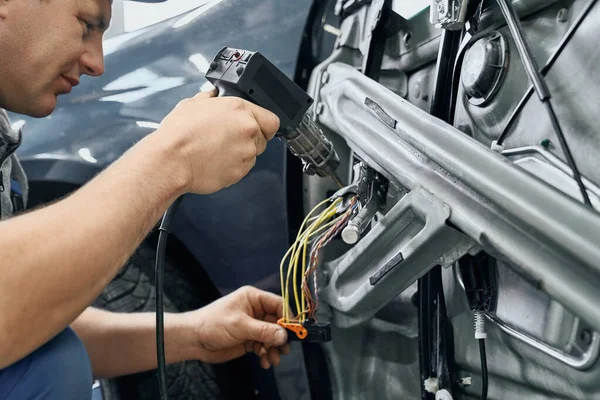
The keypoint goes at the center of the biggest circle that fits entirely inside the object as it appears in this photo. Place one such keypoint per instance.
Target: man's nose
(92, 60)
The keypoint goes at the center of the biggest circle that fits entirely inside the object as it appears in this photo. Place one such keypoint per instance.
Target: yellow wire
(327, 225)
(284, 289)
(327, 214)
(304, 258)
(283, 293)
(312, 234)
(292, 267)
(301, 304)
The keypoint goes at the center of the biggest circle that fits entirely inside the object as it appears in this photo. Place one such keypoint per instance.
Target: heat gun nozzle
(316, 151)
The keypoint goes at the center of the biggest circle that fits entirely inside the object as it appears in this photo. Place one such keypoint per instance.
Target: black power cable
(159, 270)
(478, 276)
(540, 87)
(484, 371)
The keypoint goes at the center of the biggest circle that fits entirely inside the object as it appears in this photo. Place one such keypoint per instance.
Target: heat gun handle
(228, 90)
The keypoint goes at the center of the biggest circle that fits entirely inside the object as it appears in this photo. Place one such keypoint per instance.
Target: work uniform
(60, 369)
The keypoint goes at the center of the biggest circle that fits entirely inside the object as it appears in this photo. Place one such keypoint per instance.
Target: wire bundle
(315, 231)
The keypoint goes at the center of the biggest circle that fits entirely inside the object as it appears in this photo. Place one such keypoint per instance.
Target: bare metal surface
(489, 198)
(409, 240)
(580, 361)
(545, 165)
(574, 353)
(386, 366)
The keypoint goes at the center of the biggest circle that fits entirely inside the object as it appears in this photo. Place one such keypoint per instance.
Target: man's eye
(87, 27)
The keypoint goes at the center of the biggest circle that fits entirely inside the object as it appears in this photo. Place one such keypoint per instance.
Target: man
(56, 260)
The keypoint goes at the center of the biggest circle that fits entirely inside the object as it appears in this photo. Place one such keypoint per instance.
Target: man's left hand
(241, 322)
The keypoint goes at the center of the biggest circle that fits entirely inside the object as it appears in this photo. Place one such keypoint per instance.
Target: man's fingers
(271, 318)
(264, 362)
(261, 144)
(285, 349)
(268, 122)
(274, 357)
(266, 303)
(249, 346)
(267, 333)
(259, 349)
(206, 94)
(251, 163)
(267, 357)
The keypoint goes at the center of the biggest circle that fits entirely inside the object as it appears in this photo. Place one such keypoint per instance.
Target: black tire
(133, 290)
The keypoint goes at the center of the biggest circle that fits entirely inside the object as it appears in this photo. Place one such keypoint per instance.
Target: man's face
(46, 45)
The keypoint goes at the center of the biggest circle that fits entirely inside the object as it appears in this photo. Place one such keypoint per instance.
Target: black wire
(159, 270)
(568, 155)
(529, 63)
(484, 371)
(466, 40)
(540, 86)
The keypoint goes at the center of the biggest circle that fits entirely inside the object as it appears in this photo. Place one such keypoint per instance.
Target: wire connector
(480, 332)
(466, 381)
(307, 331)
(443, 395)
(498, 148)
(431, 385)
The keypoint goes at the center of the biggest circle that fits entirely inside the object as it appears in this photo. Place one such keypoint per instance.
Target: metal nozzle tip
(336, 178)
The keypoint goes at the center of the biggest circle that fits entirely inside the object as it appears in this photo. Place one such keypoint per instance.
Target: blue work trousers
(58, 370)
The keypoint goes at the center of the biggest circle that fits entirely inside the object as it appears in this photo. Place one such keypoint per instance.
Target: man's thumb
(268, 333)
(206, 94)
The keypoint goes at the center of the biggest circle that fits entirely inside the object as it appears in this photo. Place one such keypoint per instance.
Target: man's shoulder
(6, 132)
(4, 122)
(13, 182)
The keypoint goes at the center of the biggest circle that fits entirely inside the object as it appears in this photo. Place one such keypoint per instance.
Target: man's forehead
(101, 10)
(98, 10)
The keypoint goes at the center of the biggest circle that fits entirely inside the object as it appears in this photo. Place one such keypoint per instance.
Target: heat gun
(249, 75)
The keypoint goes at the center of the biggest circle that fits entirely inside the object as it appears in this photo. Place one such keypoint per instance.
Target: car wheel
(133, 290)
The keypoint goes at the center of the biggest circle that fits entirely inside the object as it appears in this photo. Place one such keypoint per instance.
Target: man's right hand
(217, 139)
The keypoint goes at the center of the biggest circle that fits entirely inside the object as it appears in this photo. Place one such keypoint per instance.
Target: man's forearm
(121, 344)
(57, 260)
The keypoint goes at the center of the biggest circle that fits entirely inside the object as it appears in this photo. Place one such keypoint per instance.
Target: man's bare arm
(122, 344)
(241, 322)
(56, 260)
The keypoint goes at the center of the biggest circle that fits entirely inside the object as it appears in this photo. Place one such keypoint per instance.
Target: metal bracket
(505, 209)
(449, 14)
(363, 178)
(383, 23)
(581, 353)
(579, 356)
(343, 8)
(402, 246)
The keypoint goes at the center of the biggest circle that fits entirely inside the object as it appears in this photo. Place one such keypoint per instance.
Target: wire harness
(302, 259)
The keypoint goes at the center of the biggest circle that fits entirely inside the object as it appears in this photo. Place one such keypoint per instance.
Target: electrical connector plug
(307, 331)
(478, 275)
